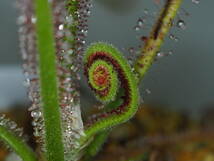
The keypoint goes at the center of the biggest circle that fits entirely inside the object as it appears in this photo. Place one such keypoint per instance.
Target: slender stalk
(156, 38)
(20, 147)
(95, 146)
(48, 81)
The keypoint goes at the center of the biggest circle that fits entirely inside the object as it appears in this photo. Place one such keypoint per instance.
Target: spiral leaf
(106, 71)
(103, 80)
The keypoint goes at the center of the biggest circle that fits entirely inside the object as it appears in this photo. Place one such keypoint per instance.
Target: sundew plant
(52, 41)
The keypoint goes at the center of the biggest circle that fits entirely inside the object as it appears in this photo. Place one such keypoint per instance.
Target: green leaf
(19, 146)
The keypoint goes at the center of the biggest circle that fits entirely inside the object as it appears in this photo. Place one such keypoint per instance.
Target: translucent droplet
(137, 28)
(33, 19)
(173, 37)
(88, 13)
(140, 22)
(69, 19)
(160, 54)
(196, 1)
(36, 114)
(22, 19)
(146, 11)
(89, 5)
(61, 27)
(78, 77)
(170, 52)
(26, 83)
(36, 133)
(181, 24)
(19, 131)
(85, 32)
(12, 125)
(34, 123)
(83, 42)
(148, 91)
(131, 50)
(2, 116)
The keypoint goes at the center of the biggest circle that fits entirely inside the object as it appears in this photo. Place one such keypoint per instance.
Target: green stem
(20, 147)
(95, 146)
(48, 81)
(156, 38)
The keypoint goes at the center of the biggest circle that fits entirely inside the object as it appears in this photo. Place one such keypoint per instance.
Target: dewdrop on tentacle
(11, 126)
(27, 43)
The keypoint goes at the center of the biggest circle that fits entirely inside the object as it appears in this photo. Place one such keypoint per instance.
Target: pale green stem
(16, 143)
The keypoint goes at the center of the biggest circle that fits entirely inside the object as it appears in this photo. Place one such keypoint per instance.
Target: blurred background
(180, 81)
